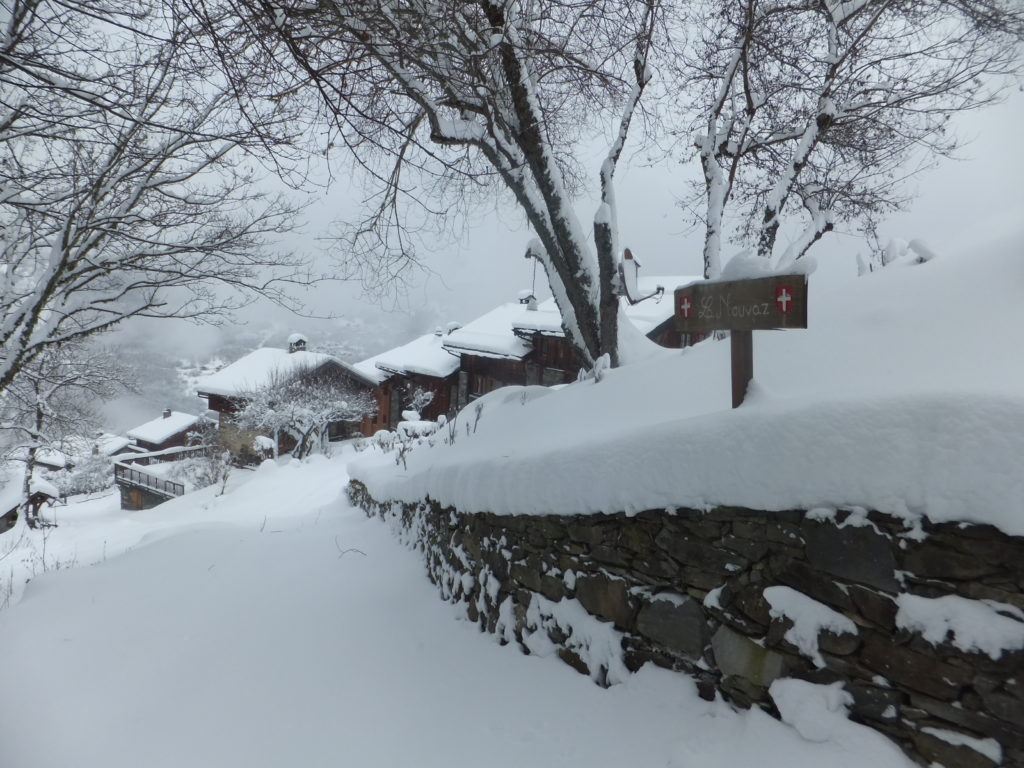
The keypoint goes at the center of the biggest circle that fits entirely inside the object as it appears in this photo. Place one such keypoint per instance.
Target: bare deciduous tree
(462, 95)
(813, 111)
(53, 398)
(123, 190)
(302, 405)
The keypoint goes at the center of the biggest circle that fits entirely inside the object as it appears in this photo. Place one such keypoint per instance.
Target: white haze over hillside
(964, 203)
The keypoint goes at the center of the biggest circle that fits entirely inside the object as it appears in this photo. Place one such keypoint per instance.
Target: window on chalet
(480, 385)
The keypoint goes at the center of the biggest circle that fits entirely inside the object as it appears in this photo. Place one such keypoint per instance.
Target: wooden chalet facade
(524, 344)
(422, 366)
(225, 391)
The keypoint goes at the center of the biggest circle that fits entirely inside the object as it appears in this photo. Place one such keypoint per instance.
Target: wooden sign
(760, 304)
(742, 306)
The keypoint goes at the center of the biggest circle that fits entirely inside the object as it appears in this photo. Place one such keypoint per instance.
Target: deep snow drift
(277, 626)
(905, 395)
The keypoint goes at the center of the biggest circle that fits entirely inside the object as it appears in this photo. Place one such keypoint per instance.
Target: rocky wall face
(923, 627)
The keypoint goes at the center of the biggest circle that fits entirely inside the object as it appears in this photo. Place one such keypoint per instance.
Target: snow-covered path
(277, 626)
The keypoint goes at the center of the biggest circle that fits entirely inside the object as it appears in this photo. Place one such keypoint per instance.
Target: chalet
(170, 430)
(225, 391)
(491, 355)
(524, 343)
(422, 367)
(11, 499)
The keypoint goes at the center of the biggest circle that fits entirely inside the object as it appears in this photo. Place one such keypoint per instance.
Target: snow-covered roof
(258, 368)
(646, 315)
(425, 355)
(164, 427)
(107, 445)
(368, 369)
(11, 481)
(490, 335)
(110, 444)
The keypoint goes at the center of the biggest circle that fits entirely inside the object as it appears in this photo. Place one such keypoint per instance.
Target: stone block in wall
(921, 672)
(813, 583)
(930, 560)
(657, 566)
(526, 574)
(675, 622)
(750, 601)
(751, 549)
(1011, 735)
(854, 553)
(552, 587)
(1004, 706)
(873, 702)
(779, 532)
(738, 655)
(701, 579)
(876, 607)
(940, 752)
(606, 598)
(692, 551)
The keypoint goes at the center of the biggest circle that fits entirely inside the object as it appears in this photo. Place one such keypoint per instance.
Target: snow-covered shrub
(91, 475)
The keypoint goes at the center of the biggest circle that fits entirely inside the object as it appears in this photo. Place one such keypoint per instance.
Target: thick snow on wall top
(905, 394)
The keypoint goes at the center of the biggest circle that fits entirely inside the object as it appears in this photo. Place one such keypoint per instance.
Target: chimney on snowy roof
(167, 413)
(297, 343)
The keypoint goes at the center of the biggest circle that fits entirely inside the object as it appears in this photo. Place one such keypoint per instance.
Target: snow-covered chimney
(167, 413)
(297, 343)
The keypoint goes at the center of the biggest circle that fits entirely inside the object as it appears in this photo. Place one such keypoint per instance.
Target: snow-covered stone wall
(922, 626)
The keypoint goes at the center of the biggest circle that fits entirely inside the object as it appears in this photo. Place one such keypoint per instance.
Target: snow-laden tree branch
(812, 112)
(437, 100)
(124, 190)
(301, 406)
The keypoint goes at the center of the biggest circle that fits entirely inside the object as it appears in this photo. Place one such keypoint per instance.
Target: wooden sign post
(741, 307)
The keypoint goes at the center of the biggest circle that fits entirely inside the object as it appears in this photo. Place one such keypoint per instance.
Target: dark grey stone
(854, 553)
(607, 598)
(978, 722)
(917, 671)
(874, 606)
(681, 628)
(801, 577)
(937, 751)
(873, 702)
(929, 560)
(736, 654)
(526, 575)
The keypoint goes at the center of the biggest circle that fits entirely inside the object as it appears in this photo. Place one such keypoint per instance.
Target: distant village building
(225, 391)
(170, 430)
(523, 343)
(423, 367)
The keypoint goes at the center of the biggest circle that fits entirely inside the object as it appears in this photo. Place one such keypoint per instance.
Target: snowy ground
(277, 626)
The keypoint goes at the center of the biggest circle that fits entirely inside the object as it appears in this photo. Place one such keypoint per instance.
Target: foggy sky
(961, 205)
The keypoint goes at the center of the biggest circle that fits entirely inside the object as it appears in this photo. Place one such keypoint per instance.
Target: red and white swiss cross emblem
(685, 307)
(784, 299)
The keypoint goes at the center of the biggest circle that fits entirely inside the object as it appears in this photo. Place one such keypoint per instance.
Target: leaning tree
(458, 96)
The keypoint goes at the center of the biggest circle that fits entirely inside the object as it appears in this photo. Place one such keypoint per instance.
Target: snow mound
(902, 396)
(971, 625)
